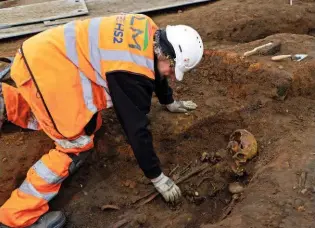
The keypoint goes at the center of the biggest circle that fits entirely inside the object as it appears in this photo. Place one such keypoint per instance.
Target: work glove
(169, 190)
(181, 106)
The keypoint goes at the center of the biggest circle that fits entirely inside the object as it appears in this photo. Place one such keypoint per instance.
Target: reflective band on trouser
(30, 200)
(33, 123)
(72, 54)
(47, 174)
(95, 57)
(83, 143)
(29, 189)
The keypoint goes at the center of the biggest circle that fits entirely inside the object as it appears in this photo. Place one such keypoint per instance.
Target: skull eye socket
(237, 137)
(240, 156)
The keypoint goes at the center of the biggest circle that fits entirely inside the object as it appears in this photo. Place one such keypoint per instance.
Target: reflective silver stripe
(80, 142)
(95, 57)
(70, 40)
(126, 56)
(32, 123)
(87, 92)
(94, 50)
(28, 188)
(72, 54)
(47, 174)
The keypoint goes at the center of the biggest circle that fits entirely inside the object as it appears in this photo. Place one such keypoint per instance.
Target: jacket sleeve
(163, 91)
(131, 96)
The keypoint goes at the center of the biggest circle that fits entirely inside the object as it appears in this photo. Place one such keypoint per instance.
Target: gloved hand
(181, 106)
(169, 190)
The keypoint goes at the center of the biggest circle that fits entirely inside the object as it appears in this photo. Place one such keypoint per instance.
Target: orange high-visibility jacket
(70, 63)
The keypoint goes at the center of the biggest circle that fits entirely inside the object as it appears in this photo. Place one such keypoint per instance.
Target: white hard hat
(188, 48)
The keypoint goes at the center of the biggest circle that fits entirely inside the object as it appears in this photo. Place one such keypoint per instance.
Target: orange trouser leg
(44, 178)
(30, 200)
(43, 181)
(17, 109)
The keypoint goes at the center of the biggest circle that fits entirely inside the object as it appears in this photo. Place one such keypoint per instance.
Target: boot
(53, 219)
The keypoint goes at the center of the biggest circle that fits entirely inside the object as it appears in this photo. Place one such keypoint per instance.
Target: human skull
(242, 146)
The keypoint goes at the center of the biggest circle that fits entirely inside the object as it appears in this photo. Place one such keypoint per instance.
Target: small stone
(280, 67)
(4, 159)
(204, 156)
(136, 192)
(196, 193)
(132, 184)
(281, 203)
(20, 142)
(118, 139)
(301, 208)
(298, 203)
(236, 196)
(141, 219)
(85, 193)
(235, 188)
(127, 183)
(179, 11)
(304, 191)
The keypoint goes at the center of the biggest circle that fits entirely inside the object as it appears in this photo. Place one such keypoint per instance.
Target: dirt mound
(247, 20)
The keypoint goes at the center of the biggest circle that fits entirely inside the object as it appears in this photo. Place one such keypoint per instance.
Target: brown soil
(273, 100)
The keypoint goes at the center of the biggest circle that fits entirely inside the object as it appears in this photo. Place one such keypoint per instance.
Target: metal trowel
(297, 57)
